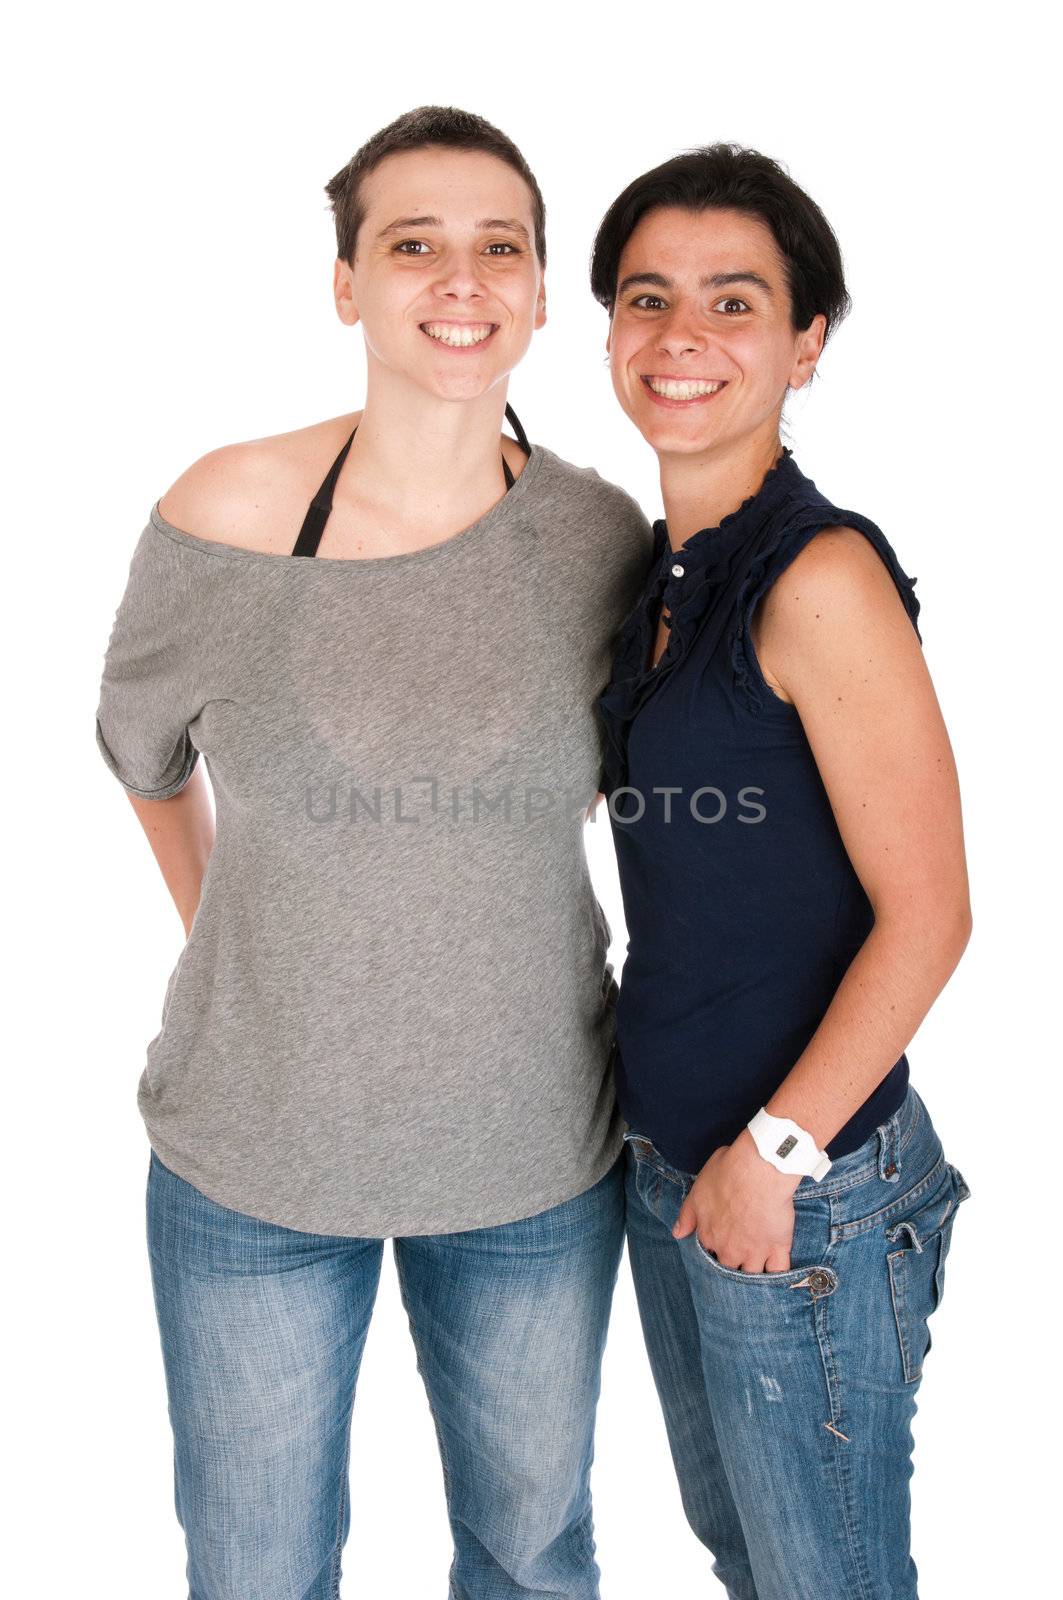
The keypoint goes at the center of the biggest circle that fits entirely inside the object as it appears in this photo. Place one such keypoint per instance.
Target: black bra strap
(522, 440)
(522, 437)
(317, 513)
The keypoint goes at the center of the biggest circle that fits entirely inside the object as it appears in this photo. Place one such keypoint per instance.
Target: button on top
(678, 571)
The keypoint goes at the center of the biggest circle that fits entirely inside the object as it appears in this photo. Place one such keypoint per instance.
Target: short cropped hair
(418, 130)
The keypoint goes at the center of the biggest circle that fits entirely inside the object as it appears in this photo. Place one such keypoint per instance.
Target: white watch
(788, 1147)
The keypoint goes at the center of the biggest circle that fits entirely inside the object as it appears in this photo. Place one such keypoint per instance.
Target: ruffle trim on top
(711, 559)
(767, 568)
(779, 481)
(725, 570)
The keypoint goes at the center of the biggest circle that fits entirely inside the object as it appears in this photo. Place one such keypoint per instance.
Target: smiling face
(701, 344)
(446, 282)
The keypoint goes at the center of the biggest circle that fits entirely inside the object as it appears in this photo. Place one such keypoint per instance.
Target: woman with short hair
(787, 820)
(393, 1015)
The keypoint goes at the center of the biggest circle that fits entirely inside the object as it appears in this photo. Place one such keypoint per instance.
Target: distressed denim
(262, 1331)
(788, 1396)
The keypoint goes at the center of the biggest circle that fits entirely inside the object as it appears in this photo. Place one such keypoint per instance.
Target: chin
(675, 435)
(454, 385)
(465, 391)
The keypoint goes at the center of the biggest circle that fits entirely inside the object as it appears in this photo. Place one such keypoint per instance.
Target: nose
(459, 277)
(681, 335)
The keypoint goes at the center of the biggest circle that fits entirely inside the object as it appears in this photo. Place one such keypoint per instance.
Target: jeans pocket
(917, 1269)
(809, 1246)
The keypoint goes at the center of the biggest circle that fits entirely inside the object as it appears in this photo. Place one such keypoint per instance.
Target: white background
(168, 261)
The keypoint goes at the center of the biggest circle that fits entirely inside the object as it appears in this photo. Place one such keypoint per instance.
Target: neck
(414, 448)
(700, 490)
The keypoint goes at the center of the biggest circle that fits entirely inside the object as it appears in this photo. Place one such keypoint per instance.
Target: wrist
(746, 1144)
(787, 1147)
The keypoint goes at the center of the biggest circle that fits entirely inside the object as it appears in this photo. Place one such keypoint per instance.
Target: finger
(687, 1220)
(778, 1261)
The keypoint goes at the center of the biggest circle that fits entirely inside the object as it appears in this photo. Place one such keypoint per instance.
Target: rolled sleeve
(149, 695)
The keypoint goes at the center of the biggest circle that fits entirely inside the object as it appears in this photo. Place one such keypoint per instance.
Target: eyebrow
(503, 225)
(717, 280)
(485, 225)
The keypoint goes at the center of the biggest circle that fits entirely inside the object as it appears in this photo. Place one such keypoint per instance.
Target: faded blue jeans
(788, 1396)
(262, 1333)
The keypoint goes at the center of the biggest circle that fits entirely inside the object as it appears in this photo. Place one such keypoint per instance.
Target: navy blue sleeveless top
(742, 906)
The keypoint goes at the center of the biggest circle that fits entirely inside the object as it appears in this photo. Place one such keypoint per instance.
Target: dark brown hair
(417, 130)
(730, 177)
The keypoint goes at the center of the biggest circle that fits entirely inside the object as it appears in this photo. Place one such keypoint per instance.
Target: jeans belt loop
(889, 1140)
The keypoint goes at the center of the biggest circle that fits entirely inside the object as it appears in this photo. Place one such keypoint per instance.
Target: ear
(609, 335)
(343, 293)
(540, 303)
(807, 350)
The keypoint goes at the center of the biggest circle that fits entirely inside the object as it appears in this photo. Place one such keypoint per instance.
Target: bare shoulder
(254, 494)
(837, 579)
(830, 600)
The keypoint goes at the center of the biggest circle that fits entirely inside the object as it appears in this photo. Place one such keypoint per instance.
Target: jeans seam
(662, 1168)
(840, 1460)
(452, 1590)
(897, 1265)
(898, 1298)
(858, 1225)
(337, 1549)
(870, 1169)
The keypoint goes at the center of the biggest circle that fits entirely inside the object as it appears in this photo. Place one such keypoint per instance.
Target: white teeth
(451, 333)
(689, 389)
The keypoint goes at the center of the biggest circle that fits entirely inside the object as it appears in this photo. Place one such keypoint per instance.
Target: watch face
(788, 1144)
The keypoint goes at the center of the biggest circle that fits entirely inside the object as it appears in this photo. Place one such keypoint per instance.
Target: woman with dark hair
(385, 633)
(786, 813)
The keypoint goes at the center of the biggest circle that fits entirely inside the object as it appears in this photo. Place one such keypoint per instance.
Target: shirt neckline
(710, 547)
(492, 517)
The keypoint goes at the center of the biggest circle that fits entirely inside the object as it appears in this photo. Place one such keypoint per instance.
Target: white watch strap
(821, 1168)
(788, 1146)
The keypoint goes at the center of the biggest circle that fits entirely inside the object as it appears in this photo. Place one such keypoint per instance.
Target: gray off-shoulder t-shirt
(393, 1013)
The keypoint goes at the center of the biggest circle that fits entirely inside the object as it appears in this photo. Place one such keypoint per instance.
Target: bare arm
(180, 831)
(846, 652)
(843, 650)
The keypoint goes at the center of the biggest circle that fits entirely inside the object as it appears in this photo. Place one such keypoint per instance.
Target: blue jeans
(788, 1396)
(262, 1333)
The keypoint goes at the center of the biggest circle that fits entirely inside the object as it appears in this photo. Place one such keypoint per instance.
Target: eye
(732, 305)
(640, 299)
(504, 244)
(418, 244)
